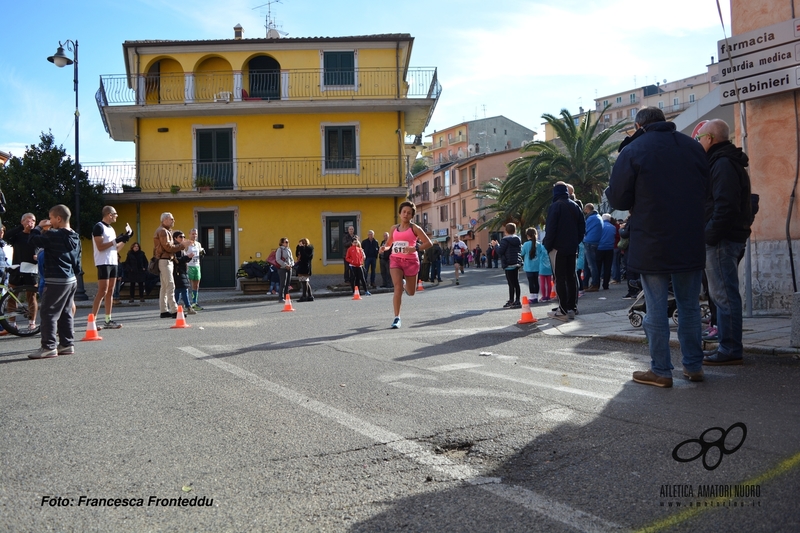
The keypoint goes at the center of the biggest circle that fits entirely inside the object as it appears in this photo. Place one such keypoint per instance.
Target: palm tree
(495, 215)
(580, 157)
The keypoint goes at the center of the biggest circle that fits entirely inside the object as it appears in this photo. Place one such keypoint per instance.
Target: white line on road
(454, 366)
(557, 511)
(538, 384)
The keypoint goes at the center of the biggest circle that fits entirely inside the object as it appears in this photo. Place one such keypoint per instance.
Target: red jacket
(355, 256)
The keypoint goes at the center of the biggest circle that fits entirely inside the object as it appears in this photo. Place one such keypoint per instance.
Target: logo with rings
(711, 460)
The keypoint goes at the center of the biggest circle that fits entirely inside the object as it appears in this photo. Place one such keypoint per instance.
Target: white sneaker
(190, 311)
(43, 353)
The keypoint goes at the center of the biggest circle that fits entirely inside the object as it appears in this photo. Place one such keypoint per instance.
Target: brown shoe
(592, 288)
(694, 376)
(649, 378)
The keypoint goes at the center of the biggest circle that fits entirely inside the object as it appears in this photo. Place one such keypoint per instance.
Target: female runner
(404, 260)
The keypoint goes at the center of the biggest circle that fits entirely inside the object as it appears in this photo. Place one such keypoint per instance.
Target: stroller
(638, 308)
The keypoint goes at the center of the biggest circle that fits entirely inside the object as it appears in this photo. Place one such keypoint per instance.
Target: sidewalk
(762, 335)
(768, 335)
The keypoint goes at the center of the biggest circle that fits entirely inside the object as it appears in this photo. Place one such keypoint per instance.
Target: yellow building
(251, 140)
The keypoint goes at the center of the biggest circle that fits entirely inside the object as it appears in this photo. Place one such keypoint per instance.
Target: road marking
(454, 366)
(538, 384)
(531, 500)
(571, 374)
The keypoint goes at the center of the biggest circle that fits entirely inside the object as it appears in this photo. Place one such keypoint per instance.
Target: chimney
(237, 32)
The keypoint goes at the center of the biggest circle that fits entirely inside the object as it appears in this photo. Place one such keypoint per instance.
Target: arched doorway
(264, 80)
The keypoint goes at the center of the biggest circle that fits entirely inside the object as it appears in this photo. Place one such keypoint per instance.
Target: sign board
(472, 222)
(769, 37)
(777, 58)
(759, 86)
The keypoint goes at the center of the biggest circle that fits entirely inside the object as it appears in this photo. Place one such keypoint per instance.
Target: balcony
(457, 139)
(380, 175)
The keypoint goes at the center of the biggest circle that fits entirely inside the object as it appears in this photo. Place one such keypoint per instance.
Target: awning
(440, 239)
(464, 232)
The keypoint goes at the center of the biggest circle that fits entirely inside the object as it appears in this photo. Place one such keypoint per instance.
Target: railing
(457, 139)
(181, 88)
(247, 174)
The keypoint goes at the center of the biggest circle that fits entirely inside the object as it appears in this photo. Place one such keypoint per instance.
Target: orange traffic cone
(180, 320)
(287, 306)
(91, 331)
(419, 286)
(527, 317)
(356, 294)
(553, 294)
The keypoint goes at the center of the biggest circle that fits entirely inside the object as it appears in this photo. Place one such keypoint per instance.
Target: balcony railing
(228, 86)
(457, 139)
(249, 174)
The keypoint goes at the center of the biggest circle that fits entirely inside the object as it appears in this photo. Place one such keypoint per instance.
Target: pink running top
(404, 239)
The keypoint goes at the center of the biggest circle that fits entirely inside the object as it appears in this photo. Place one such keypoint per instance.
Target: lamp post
(60, 60)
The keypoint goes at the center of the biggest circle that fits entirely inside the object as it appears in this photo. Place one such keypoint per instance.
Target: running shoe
(65, 350)
(44, 353)
(197, 307)
(396, 322)
(110, 324)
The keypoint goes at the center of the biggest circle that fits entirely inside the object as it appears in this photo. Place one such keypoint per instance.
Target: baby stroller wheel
(675, 316)
(636, 319)
(705, 312)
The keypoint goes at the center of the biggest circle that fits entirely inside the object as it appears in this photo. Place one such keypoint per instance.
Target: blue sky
(517, 58)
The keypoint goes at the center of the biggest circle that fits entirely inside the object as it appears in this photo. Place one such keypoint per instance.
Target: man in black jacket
(662, 177)
(728, 217)
(564, 231)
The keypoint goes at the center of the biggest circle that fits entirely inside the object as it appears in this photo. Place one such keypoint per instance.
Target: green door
(218, 265)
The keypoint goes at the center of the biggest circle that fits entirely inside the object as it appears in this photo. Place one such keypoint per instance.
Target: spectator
(662, 175)
(530, 264)
(728, 215)
(510, 248)
(565, 229)
(164, 248)
(305, 253)
(193, 268)
(24, 270)
(136, 266)
(580, 263)
(180, 274)
(106, 245)
(355, 258)
(594, 230)
(347, 240)
(545, 272)
(370, 247)
(386, 276)
(283, 256)
(605, 250)
(62, 262)
(436, 262)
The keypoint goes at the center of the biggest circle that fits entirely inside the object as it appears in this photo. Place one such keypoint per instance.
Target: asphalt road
(325, 419)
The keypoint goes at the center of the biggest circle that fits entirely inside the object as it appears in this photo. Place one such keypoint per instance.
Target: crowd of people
(700, 185)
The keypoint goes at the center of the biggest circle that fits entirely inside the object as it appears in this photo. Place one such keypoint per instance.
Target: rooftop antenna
(272, 31)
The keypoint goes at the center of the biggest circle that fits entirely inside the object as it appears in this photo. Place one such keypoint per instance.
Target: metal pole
(748, 265)
(80, 293)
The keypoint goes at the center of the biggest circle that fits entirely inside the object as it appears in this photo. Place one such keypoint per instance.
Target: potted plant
(174, 189)
(130, 188)
(437, 189)
(204, 183)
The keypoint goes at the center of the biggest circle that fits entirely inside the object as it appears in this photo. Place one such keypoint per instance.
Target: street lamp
(60, 60)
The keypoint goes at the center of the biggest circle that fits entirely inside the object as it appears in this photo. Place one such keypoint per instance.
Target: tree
(419, 165)
(43, 177)
(582, 158)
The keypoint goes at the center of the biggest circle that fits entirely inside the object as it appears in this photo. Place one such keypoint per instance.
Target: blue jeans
(686, 286)
(369, 269)
(436, 271)
(722, 270)
(590, 263)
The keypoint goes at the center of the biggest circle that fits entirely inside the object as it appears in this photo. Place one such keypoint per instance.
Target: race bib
(398, 247)
(457, 250)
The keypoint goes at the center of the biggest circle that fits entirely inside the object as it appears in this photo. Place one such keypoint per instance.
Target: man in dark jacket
(371, 248)
(662, 177)
(62, 262)
(564, 231)
(728, 217)
(594, 231)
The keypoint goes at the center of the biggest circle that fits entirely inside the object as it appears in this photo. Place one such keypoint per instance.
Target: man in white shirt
(106, 245)
(459, 255)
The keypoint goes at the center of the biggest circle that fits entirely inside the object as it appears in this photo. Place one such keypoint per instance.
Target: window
(619, 99)
(340, 147)
(335, 228)
(577, 121)
(340, 68)
(494, 130)
(447, 183)
(463, 208)
(426, 192)
(619, 115)
(606, 118)
(443, 213)
(605, 103)
(633, 113)
(691, 98)
(214, 151)
(633, 98)
(453, 180)
(463, 179)
(676, 101)
(505, 132)
(450, 155)
(661, 105)
(437, 184)
(472, 172)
